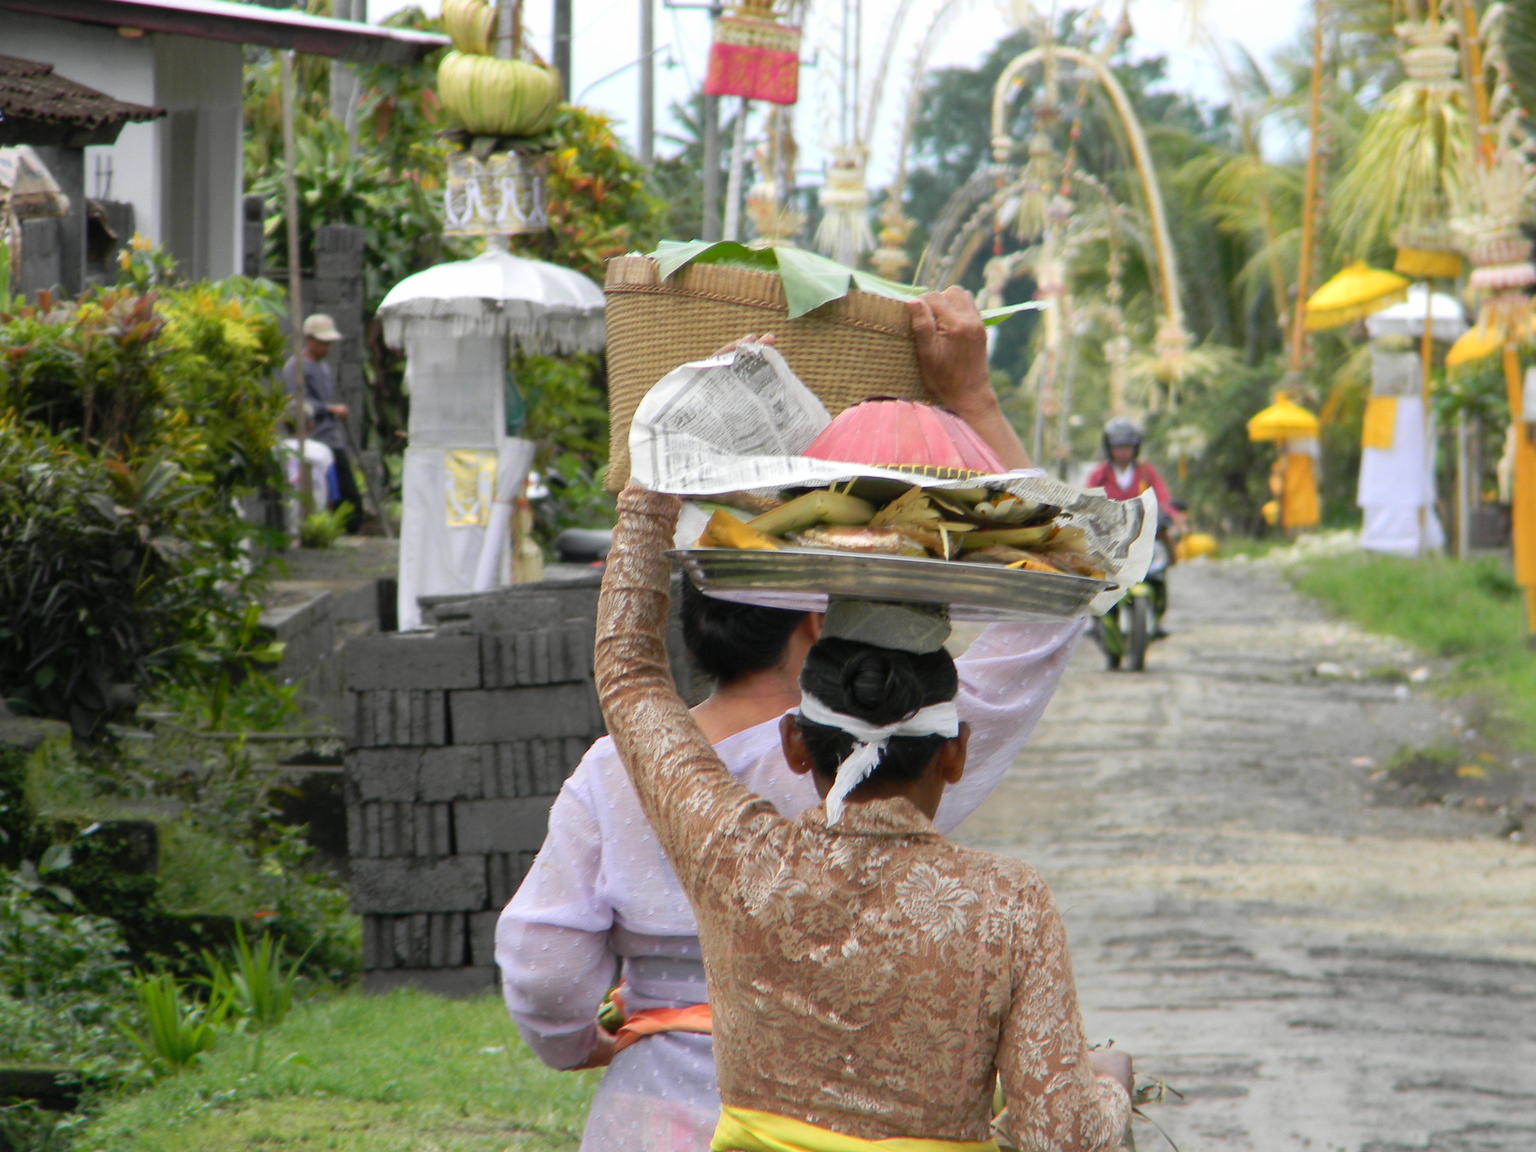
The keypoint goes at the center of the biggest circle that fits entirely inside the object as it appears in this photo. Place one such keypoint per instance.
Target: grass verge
(1469, 613)
(403, 1072)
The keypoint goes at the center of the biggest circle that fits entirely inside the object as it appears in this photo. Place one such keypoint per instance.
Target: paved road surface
(1311, 971)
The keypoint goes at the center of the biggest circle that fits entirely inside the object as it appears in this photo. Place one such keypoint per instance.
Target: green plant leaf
(880, 286)
(992, 316)
(811, 280)
(54, 858)
(670, 255)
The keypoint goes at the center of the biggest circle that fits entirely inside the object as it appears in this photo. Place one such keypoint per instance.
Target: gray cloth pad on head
(905, 627)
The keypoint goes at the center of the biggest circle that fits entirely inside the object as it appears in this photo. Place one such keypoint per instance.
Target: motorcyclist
(1124, 476)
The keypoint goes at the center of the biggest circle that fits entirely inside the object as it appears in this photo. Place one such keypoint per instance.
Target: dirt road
(1311, 970)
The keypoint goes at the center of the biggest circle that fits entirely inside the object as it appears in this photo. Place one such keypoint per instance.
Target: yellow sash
(746, 1130)
(1380, 423)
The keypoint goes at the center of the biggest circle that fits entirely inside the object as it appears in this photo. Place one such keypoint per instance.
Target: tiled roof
(38, 106)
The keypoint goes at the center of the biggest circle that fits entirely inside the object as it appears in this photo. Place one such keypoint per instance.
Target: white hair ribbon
(935, 720)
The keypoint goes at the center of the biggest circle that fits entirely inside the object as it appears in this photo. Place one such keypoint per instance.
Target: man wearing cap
(324, 414)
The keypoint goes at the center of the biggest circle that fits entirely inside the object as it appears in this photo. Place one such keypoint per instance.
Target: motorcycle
(1126, 631)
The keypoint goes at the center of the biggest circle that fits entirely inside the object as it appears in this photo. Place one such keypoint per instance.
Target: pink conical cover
(891, 433)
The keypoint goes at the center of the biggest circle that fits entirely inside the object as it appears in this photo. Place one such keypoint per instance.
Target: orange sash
(650, 1021)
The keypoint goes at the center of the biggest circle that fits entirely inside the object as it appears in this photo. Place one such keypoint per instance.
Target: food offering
(893, 501)
(987, 553)
(975, 525)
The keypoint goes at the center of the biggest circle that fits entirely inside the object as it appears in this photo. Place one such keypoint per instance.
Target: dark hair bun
(880, 683)
(879, 686)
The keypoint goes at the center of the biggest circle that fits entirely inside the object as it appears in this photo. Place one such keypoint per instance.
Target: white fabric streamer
(935, 720)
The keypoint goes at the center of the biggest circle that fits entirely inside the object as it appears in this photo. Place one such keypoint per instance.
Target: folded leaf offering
(941, 524)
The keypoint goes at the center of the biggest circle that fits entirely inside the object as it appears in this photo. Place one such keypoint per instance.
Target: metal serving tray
(804, 579)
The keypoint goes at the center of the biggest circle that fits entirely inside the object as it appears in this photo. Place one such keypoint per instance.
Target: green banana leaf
(810, 279)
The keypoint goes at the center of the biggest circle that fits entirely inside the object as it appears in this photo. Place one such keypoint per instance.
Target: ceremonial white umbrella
(1447, 319)
(461, 319)
(540, 307)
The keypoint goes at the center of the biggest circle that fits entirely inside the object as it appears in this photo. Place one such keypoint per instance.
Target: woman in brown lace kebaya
(869, 979)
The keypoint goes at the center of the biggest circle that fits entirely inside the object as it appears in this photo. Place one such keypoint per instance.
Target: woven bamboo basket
(846, 351)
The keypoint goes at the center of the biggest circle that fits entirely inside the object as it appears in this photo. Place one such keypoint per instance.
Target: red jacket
(1143, 476)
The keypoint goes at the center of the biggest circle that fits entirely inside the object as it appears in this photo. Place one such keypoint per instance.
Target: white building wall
(181, 173)
(198, 84)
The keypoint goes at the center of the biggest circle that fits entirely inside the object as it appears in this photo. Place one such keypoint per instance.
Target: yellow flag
(471, 487)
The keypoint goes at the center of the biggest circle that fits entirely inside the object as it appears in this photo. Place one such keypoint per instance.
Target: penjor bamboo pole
(295, 282)
(1522, 517)
(1426, 363)
(1309, 195)
(1523, 483)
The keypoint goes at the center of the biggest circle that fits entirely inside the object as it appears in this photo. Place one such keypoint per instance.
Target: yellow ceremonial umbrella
(1478, 343)
(1352, 294)
(1292, 480)
(1283, 420)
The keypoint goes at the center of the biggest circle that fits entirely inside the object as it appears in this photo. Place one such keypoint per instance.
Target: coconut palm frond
(1517, 40)
(1233, 187)
(1409, 168)
(1256, 273)
(1155, 378)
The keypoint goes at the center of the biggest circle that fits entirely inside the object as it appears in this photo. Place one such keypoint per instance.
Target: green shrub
(15, 808)
(130, 423)
(567, 415)
(64, 982)
(272, 884)
(221, 350)
(85, 368)
(324, 526)
(112, 578)
(187, 371)
(51, 953)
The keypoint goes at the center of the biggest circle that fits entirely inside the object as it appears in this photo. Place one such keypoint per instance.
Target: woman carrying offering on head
(869, 980)
(601, 897)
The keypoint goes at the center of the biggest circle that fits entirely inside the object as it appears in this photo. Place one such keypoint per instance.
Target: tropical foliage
(384, 169)
(1231, 183)
(131, 423)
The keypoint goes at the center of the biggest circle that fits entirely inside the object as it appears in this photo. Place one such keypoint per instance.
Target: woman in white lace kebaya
(869, 980)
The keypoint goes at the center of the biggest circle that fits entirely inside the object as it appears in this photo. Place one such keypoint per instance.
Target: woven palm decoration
(844, 233)
(1410, 170)
(1502, 272)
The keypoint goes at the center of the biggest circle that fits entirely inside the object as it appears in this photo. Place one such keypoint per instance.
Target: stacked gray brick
(337, 290)
(458, 741)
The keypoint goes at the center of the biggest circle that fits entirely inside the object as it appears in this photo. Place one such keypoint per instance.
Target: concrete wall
(181, 173)
(198, 83)
(458, 740)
